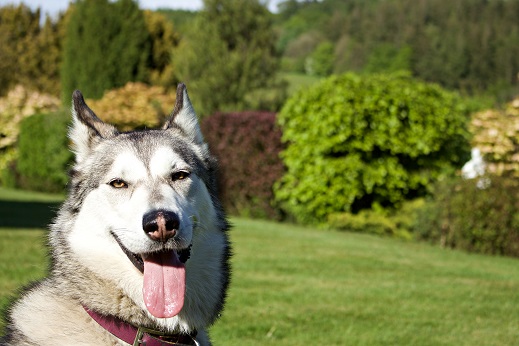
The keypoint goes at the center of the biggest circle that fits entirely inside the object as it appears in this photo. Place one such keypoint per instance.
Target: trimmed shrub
(496, 134)
(136, 105)
(357, 142)
(367, 221)
(44, 157)
(463, 216)
(397, 223)
(17, 105)
(247, 145)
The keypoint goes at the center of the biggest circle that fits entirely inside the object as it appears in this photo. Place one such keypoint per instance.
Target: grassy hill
(295, 285)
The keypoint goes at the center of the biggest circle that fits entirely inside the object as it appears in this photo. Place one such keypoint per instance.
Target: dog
(139, 249)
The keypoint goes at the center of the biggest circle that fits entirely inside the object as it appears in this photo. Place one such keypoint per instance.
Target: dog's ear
(184, 116)
(87, 129)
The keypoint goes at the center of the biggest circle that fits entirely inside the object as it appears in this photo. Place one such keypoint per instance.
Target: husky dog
(139, 250)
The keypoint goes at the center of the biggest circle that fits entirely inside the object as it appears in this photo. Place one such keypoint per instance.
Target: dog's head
(144, 205)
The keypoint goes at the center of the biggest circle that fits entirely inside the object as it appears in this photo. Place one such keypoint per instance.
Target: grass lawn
(294, 285)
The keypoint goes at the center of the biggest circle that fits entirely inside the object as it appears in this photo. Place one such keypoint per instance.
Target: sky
(53, 7)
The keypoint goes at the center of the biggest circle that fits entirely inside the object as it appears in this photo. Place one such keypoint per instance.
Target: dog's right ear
(184, 117)
(87, 129)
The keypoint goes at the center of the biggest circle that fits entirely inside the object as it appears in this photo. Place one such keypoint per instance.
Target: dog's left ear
(87, 129)
(184, 116)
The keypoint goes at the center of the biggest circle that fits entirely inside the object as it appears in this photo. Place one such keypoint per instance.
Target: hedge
(247, 145)
(464, 216)
(44, 156)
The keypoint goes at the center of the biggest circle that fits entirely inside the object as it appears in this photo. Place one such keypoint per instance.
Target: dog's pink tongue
(164, 284)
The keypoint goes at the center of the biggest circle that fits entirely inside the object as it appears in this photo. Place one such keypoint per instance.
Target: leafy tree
(47, 55)
(357, 142)
(163, 39)
(320, 63)
(388, 58)
(30, 53)
(107, 44)
(300, 49)
(19, 27)
(229, 56)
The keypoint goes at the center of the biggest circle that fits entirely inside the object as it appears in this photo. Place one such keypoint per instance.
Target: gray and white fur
(117, 179)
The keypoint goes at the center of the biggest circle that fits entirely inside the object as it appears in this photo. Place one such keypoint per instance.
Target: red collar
(140, 336)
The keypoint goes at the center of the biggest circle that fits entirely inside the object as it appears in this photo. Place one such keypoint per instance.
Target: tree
(19, 26)
(107, 44)
(30, 53)
(163, 39)
(469, 45)
(320, 62)
(228, 60)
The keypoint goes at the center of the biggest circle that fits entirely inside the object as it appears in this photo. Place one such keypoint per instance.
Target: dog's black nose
(160, 225)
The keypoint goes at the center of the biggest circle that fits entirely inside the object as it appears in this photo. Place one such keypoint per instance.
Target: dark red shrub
(247, 145)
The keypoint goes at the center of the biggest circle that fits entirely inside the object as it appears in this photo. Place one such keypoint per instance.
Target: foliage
(30, 53)
(136, 105)
(367, 221)
(496, 134)
(46, 61)
(228, 55)
(182, 19)
(388, 58)
(464, 216)
(44, 157)
(8, 159)
(106, 45)
(163, 39)
(299, 50)
(399, 223)
(469, 45)
(247, 146)
(320, 63)
(358, 142)
(17, 105)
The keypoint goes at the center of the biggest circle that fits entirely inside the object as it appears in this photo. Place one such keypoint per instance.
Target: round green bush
(355, 141)
(44, 156)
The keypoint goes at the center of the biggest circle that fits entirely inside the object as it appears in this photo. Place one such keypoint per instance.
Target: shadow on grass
(22, 214)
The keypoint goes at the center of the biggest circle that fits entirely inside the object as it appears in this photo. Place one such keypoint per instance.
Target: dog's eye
(118, 184)
(180, 175)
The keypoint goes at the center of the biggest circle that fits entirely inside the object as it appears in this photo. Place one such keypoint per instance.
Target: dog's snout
(160, 225)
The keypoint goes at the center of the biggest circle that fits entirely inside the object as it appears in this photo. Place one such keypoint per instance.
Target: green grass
(295, 285)
(28, 196)
(22, 260)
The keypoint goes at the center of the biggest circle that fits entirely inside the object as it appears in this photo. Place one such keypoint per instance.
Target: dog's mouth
(138, 261)
(164, 278)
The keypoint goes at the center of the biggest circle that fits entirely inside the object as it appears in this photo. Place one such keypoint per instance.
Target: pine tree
(106, 45)
(229, 60)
